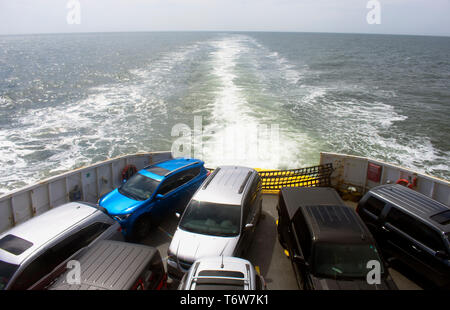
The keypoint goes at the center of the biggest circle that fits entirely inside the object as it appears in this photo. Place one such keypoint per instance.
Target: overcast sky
(422, 17)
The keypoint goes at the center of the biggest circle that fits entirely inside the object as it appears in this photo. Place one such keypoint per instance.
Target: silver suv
(222, 273)
(219, 220)
(30, 252)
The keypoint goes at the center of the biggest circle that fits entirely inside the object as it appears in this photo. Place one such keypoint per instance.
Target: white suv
(32, 253)
(222, 273)
(219, 220)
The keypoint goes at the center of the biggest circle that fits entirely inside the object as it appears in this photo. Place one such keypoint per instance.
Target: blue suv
(153, 192)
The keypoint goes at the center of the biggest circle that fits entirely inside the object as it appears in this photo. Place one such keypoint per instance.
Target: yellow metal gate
(274, 180)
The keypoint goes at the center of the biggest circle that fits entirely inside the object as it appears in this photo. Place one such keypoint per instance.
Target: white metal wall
(352, 170)
(94, 181)
(98, 179)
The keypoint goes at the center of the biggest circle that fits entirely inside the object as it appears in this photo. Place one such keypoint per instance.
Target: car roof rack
(220, 280)
(213, 174)
(182, 167)
(244, 183)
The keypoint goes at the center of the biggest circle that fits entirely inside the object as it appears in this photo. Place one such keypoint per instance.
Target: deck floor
(265, 253)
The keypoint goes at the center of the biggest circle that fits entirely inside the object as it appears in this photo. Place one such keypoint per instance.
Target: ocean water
(75, 99)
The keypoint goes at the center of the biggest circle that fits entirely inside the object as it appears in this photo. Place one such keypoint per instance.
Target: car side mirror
(441, 255)
(159, 196)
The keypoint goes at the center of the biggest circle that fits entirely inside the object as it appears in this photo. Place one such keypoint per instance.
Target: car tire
(142, 227)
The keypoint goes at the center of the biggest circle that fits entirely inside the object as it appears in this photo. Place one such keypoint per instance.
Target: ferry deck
(265, 253)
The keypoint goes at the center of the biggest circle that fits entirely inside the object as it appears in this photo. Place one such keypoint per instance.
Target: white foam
(6, 102)
(366, 128)
(242, 136)
(72, 131)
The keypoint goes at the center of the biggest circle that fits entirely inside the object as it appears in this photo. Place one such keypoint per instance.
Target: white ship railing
(93, 181)
(353, 171)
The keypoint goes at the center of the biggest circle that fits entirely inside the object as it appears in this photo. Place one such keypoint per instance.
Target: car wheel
(142, 227)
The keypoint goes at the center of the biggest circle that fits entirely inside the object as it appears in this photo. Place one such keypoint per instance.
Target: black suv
(329, 246)
(411, 227)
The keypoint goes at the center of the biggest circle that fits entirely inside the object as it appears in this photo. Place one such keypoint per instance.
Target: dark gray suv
(411, 227)
(328, 244)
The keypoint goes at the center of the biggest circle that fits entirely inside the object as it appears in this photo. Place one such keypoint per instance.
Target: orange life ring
(403, 182)
(406, 183)
(128, 172)
(414, 183)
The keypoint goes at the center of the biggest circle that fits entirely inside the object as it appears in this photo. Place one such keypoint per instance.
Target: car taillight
(208, 173)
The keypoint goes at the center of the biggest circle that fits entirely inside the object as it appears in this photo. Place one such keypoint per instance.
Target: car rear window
(442, 218)
(221, 273)
(14, 244)
(7, 270)
(158, 170)
(374, 206)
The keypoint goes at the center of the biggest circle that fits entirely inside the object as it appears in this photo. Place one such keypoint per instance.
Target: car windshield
(344, 261)
(211, 219)
(6, 272)
(139, 187)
